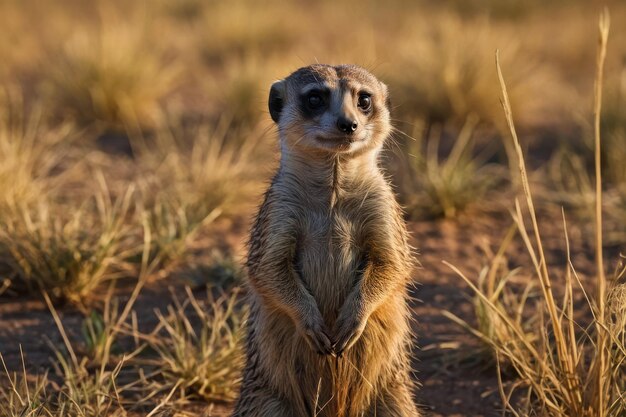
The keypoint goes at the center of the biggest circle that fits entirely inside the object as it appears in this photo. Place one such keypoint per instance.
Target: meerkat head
(336, 109)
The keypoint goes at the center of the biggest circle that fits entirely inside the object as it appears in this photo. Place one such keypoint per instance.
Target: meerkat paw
(315, 333)
(346, 332)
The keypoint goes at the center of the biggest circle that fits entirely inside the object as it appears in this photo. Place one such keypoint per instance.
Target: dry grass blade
(566, 361)
(601, 368)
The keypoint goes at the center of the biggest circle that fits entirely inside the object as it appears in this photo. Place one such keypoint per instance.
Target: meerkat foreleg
(376, 282)
(277, 280)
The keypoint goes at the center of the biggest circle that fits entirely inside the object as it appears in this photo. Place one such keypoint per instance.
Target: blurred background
(116, 71)
(142, 63)
(135, 142)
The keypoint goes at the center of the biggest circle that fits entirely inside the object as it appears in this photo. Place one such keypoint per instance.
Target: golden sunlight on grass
(569, 368)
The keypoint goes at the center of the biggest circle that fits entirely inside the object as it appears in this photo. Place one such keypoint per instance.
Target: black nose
(347, 125)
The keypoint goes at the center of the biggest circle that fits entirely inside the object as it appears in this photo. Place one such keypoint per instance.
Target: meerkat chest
(329, 253)
(334, 232)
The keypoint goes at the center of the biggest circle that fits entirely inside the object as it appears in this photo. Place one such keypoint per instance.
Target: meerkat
(329, 264)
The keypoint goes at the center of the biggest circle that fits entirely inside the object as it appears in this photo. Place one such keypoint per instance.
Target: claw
(317, 338)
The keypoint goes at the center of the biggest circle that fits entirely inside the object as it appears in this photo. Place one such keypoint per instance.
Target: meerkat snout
(347, 125)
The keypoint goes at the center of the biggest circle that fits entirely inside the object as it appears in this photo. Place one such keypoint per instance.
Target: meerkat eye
(365, 102)
(315, 101)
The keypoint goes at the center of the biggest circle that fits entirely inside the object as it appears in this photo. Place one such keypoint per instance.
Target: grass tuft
(197, 174)
(436, 188)
(31, 152)
(199, 346)
(67, 256)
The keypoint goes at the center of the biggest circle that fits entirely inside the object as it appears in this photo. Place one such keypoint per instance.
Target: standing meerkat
(329, 263)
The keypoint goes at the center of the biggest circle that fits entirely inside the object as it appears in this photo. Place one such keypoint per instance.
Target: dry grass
(570, 184)
(568, 368)
(203, 167)
(30, 152)
(571, 169)
(55, 239)
(500, 289)
(200, 348)
(192, 176)
(89, 384)
(433, 186)
(23, 397)
(451, 75)
(68, 257)
(112, 75)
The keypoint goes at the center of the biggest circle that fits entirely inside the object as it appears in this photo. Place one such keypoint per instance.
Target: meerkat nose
(346, 125)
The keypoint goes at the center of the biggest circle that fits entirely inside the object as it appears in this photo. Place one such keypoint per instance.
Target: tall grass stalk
(570, 369)
(602, 394)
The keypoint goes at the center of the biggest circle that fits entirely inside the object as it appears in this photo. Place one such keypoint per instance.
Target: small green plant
(94, 334)
(101, 328)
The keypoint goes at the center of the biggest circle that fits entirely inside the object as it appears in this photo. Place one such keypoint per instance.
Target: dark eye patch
(314, 102)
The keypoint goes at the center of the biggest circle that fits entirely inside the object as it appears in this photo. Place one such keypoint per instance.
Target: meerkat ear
(277, 99)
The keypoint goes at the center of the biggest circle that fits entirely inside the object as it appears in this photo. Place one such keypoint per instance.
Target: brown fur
(328, 264)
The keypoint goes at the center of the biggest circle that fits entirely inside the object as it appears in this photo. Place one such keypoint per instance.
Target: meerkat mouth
(339, 140)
